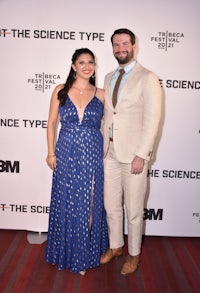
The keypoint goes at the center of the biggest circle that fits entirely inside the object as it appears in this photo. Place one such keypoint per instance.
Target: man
(130, 128)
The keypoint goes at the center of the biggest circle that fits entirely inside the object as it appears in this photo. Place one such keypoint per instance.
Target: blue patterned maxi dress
(77, 191)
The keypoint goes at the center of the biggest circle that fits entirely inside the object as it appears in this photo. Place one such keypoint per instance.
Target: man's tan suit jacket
(136, 117)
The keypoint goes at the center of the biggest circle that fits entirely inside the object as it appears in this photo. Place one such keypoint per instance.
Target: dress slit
(91, 204)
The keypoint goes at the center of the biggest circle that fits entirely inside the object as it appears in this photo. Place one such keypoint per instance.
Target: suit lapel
(107, 89)
(129, 80)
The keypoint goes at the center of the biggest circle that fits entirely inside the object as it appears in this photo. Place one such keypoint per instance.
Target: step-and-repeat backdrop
(37, 40)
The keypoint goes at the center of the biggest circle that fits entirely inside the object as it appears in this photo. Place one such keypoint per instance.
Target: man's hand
(137, 165)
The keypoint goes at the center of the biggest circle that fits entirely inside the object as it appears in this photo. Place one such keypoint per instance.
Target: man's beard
(125, 60)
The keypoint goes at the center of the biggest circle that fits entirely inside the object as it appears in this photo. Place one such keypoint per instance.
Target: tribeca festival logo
(196, 216)
(43, 81)
(167, 40)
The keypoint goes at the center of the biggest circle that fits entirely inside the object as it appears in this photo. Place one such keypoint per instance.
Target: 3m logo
(151, 214)
(8, 166)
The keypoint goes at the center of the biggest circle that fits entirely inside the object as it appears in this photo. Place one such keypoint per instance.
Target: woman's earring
(74, 75)
(93, 76)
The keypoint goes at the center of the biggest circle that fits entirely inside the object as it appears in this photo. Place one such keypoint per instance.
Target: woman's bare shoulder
(59, 87)
(100, 94)
(54, 96)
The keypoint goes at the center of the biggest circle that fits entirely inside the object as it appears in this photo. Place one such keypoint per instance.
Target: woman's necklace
(81, 91)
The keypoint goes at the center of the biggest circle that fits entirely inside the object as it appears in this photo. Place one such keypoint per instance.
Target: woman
(77, 233)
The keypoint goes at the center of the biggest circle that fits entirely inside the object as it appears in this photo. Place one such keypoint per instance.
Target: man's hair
(124, 31)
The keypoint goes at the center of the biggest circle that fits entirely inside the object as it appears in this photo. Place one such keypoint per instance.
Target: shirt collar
(128, 67)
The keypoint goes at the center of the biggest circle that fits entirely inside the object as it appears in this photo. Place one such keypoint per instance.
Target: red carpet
(168, 264)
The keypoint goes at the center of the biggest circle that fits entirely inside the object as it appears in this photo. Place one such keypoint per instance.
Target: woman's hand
(51, 161)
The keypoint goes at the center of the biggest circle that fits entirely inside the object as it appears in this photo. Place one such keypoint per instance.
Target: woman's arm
(51, 127)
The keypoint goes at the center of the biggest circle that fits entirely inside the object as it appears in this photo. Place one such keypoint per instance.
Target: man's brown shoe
(110, 254)
(131, 265)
